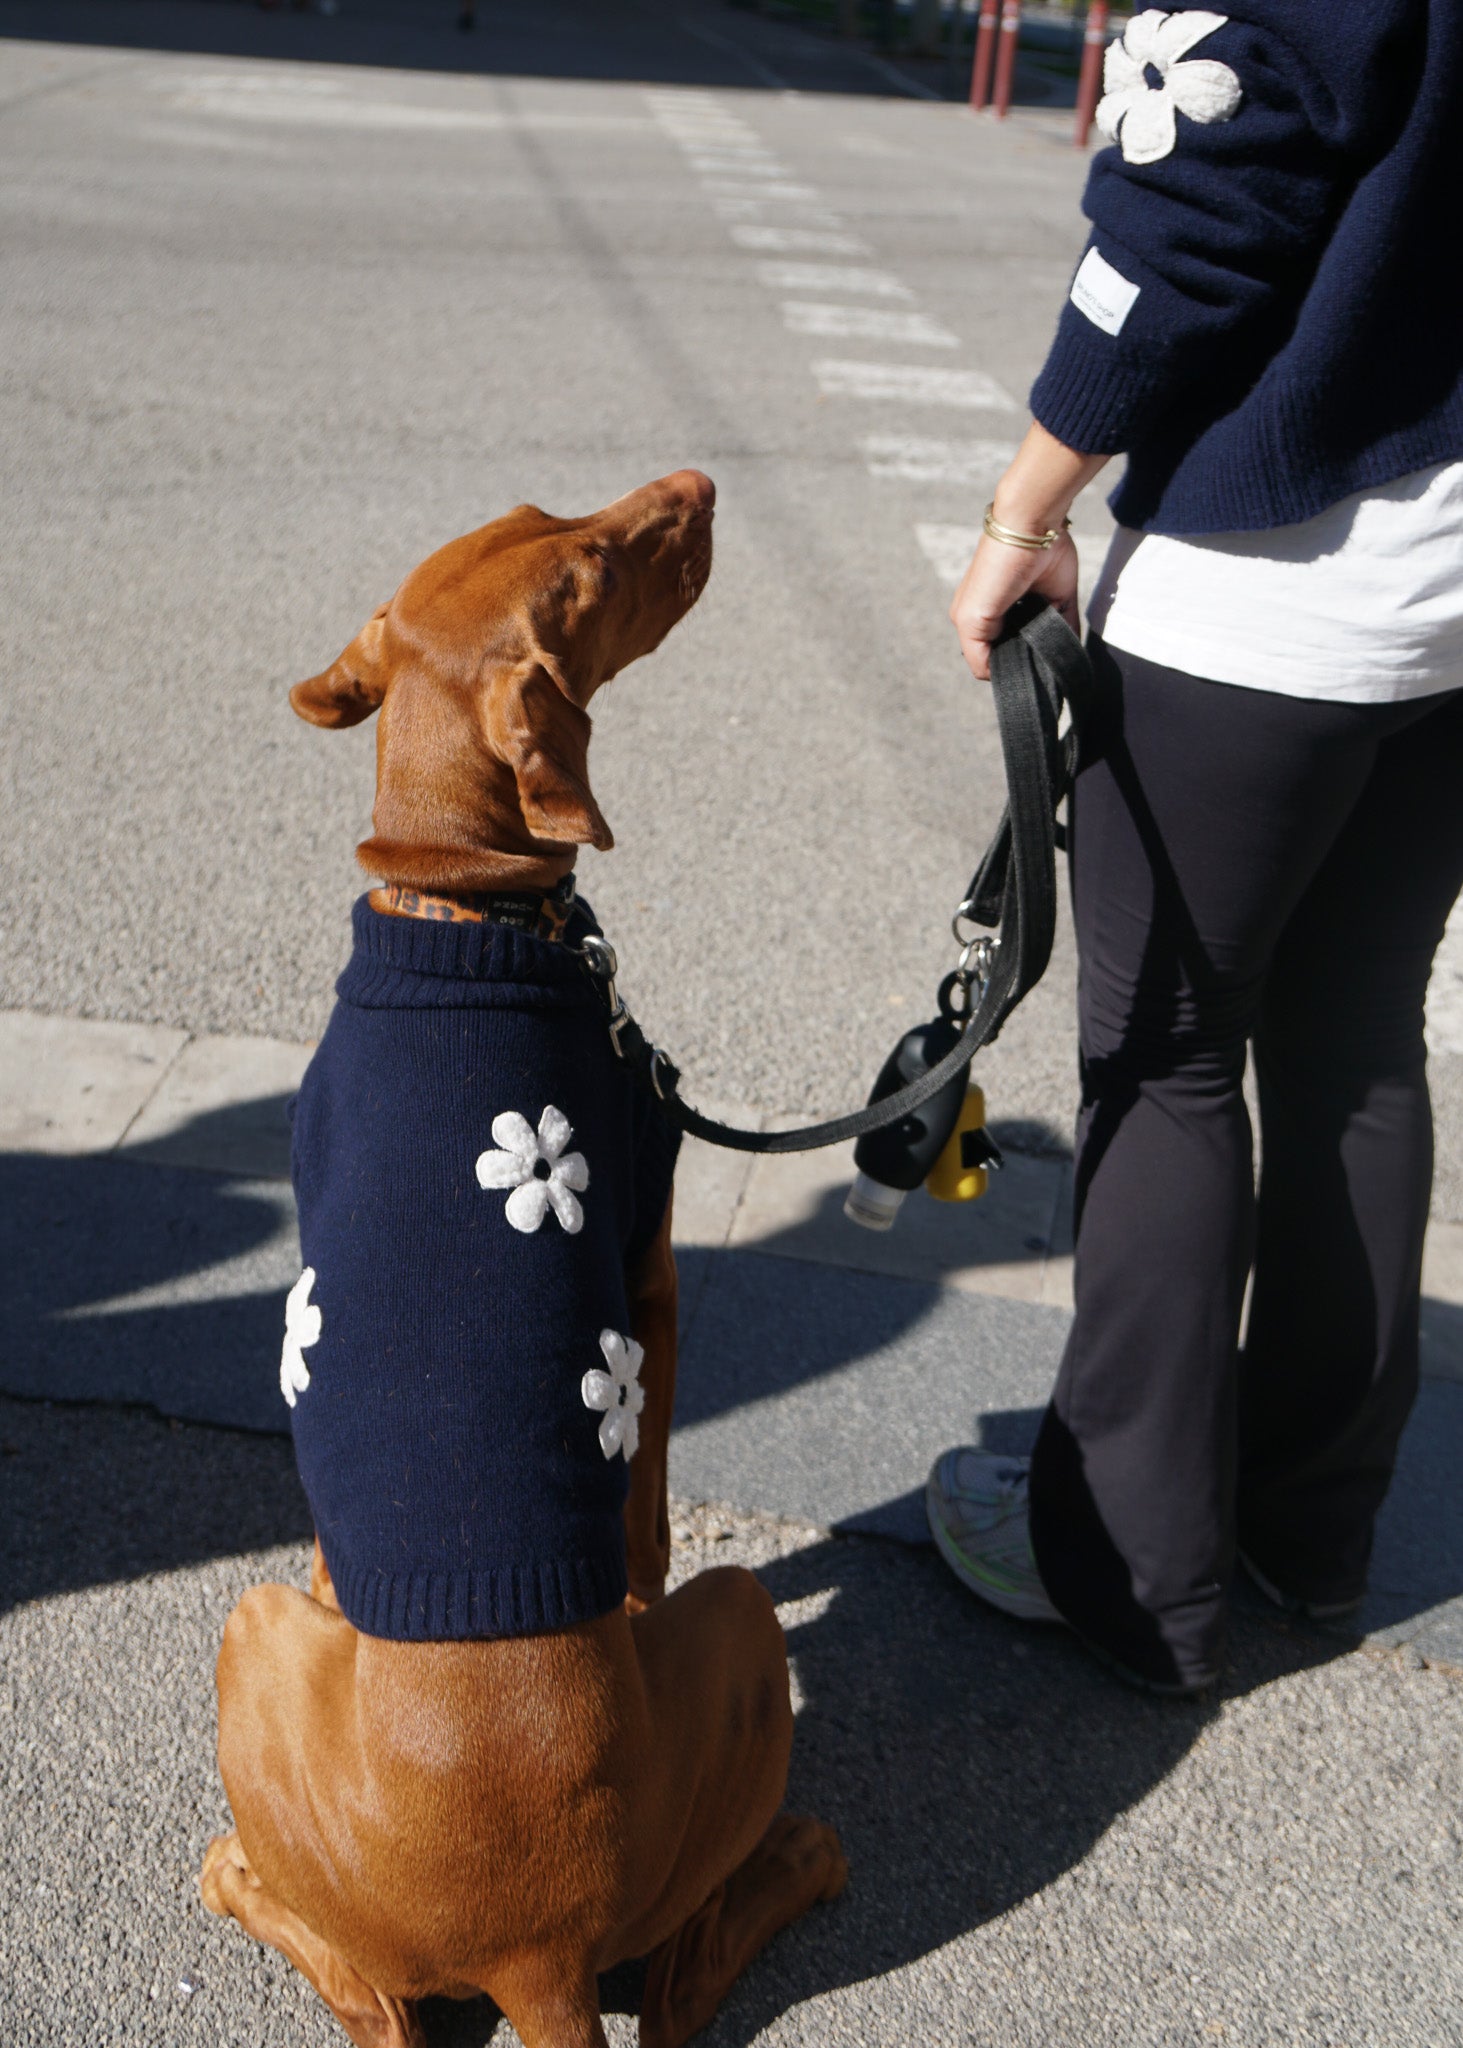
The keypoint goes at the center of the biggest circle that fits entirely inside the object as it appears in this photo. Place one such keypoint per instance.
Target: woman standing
(1267, 831)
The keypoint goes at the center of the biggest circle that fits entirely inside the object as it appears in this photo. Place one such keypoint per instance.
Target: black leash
(1037, 665)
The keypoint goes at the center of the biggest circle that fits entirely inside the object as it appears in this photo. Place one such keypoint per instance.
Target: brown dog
(514, 1814)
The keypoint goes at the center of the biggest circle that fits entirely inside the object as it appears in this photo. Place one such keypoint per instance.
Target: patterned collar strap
(544, 915)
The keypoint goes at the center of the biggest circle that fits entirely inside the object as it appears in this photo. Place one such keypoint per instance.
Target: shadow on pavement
(706, 43)
(91, 1496)
(967, 1761)
(134, 1282)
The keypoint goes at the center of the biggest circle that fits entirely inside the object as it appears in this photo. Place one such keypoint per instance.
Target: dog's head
(482, 667)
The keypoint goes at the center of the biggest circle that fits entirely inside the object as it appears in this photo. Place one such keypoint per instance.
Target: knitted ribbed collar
(406, 961)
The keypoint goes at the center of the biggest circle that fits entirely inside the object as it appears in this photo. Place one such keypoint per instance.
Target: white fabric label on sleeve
(1102, 293)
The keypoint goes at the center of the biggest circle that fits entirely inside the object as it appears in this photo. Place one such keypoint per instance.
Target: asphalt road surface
(272, 332)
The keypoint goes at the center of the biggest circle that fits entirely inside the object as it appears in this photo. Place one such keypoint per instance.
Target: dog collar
(543, 915)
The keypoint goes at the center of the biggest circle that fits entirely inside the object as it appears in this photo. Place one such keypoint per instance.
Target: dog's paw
(807, 1850)
(225, 1874)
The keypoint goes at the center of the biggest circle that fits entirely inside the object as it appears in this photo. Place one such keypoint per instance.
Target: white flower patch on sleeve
(302, 1326)
(617, 1392)
(1141, 116)
(541, 1174)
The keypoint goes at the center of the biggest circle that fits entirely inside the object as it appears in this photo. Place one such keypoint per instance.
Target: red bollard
(985, 54)
(1006, 55)
(1089, 83)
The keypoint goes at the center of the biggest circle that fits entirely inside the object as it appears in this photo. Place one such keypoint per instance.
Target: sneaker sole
(1020, 1606)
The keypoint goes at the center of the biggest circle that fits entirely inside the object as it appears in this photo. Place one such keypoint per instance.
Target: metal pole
(1006, 55)
(985, 54)
(1089, 83)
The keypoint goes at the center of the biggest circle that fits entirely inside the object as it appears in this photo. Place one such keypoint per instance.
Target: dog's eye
(605, 572)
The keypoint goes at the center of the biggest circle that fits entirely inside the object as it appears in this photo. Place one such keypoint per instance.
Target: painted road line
(742, 164)
(814, 240)
(920, 460)
(744, 209)
(705, 121)
(822, 230)
(831, 277)
(728, 188)
(866, 323)
(324, 103)
(948, 549)
(914, 384)
(1445, 991)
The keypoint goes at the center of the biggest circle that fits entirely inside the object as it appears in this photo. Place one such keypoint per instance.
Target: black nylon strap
(1036, 665)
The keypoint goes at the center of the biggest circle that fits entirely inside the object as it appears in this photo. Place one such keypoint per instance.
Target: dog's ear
(353, 685)
(533, 724)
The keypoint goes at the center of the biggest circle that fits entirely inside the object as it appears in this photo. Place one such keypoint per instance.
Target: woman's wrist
(1036, 493)
(1030, 540)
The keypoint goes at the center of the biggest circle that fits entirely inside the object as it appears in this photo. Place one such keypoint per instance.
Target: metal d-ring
(657, 1061)
(964, 915)
(599, 957)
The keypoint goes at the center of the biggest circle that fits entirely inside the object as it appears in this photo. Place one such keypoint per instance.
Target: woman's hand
(997, 576)
(1032, 497)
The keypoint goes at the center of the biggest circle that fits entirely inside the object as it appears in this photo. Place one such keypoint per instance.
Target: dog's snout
(694, 486)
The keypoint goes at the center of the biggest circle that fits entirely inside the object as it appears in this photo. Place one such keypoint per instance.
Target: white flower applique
(1141, 116)
(618, 1393)
(302, 1326)
(536, 1167)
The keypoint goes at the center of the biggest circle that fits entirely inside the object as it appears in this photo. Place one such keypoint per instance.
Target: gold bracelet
(1035, 543)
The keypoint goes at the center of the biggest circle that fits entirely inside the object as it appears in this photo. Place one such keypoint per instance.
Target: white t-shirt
(1363, 603)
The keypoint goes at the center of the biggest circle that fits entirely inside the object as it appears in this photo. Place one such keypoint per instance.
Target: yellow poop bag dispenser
(962, 1171)
(943, 1143)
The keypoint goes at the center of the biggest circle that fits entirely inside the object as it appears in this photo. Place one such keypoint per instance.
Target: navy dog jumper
(474, 1171)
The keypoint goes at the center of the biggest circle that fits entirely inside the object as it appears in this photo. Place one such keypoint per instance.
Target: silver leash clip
(600, 958)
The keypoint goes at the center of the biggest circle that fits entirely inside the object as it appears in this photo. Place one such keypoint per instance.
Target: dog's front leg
(653, 1307)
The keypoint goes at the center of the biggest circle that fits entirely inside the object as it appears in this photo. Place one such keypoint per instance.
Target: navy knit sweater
(465, 1284)
(1296, 251)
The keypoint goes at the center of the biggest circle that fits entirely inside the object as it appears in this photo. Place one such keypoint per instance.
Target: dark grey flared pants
(1246, 867)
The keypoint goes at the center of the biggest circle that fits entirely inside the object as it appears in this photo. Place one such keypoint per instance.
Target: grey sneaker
(980, 1520)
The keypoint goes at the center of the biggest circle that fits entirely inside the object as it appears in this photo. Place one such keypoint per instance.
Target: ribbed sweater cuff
(1090, 395)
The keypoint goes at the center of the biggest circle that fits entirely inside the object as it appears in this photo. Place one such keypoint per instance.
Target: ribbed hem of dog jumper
(453, 1606)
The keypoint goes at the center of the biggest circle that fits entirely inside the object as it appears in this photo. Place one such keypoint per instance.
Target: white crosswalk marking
(924, 461)
(812, 239)
(751, 204)
(1445, 993)
(831, 277)
(968, 390)
(867, 323)
(948, 549)
(744, 164)
(693, 121)
(729, 188)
